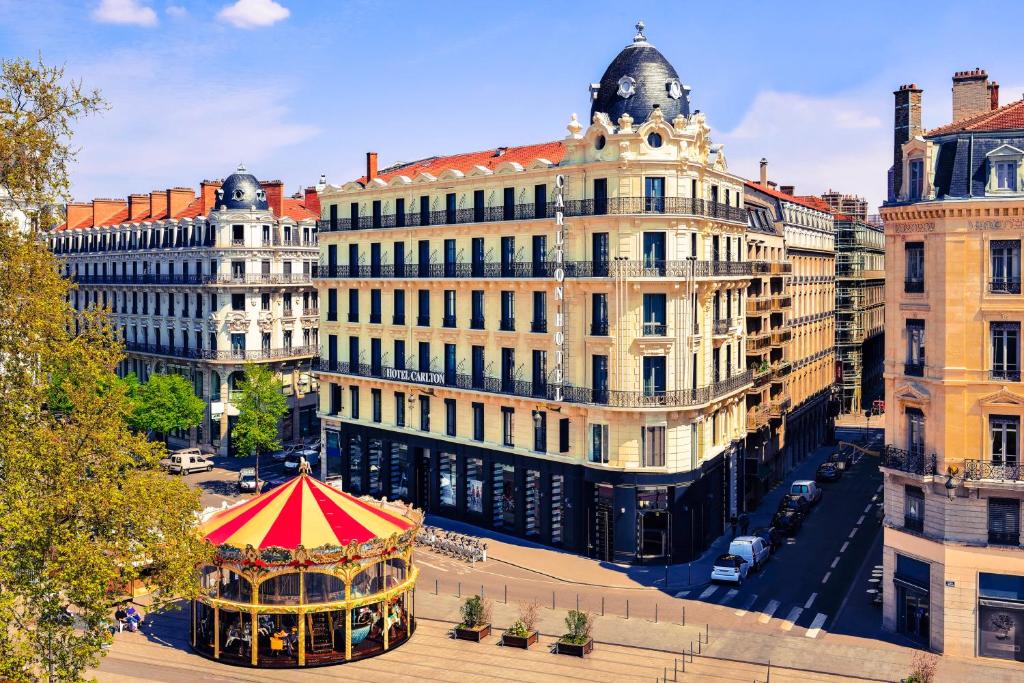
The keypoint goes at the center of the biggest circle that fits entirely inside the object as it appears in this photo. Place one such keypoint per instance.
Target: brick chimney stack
(788, 189)
(158, 204)
(208, 191)
(78, 212)
(971, 94)
(178, 199)
(311, 200)
(993, 92)
(138, 205)
(906, 126)
(105, 209)
(275, 195)
(764, 173)
(371, 166)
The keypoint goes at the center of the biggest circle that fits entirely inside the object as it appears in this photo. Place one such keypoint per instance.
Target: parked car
(247, 480)
(788, 521)
(292, 460)
(828, 472)
(188, 461)
(806, 488)
(732, 568)
(795, 503)
(842, 458)
(283, 453)
(771, 536)
(753, 549)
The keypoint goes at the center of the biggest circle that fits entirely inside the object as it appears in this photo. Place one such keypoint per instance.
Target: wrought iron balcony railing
(998, 470)
(240, 279)
(1004, 285)
(1005, 374)
(912, 462)
(644, 268)
(599, 328)
(913, 286)
(221, 355)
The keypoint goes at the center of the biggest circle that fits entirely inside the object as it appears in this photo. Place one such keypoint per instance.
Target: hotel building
(202, 285)
(548, 340)
(953, 562)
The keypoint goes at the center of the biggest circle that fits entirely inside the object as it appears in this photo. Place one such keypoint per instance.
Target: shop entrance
(654, 535)
(421, 495)
(602, 532)
(912, 613)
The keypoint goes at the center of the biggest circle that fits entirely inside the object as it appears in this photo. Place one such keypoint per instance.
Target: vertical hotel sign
(559, 257)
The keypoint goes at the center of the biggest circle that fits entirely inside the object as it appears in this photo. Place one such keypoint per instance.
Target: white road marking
(860, 521)
(747, 604)
(846, 545)
(708, 592)
(874, 498)
(810, 601)
(853, 532)
(732, 593)
(816, 625)
(827, 575)
(682, 594)
(790, 620)
(835, 562)
(769, 610)
(880, 487)
(867, 509)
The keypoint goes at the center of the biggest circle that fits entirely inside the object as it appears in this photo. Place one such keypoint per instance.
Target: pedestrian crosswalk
(767, 611)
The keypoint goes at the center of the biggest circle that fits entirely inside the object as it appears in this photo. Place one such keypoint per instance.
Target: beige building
(954, 567)
(548, 340)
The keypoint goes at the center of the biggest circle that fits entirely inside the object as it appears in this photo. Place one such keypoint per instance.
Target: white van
(806, 488)
(752, 549)
(186, 462)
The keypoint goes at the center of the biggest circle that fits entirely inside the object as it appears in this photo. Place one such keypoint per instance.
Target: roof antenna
(640, 37)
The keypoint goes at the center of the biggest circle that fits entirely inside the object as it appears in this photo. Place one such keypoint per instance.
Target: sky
(295, 88)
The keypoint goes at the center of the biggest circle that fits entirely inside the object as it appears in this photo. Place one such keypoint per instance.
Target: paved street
(221, 484)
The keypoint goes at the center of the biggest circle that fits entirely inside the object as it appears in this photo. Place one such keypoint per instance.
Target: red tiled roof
(296, 210)
(1007, 117)
(489, 158)
(815, 203)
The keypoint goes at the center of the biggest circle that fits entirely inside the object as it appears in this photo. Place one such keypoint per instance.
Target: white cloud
(253, 13)
(816, 143)
(176, 11)
(124, 12)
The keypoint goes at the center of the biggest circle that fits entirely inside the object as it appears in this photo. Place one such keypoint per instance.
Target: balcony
(779, 405)
(758, 304)
(476, 323)
(646, 268)
(781, 302)
(237, 355)
(758, 341)
(539, 326)
(311, 312)
(448, 321)
(913, 286)
(507, 325)
(782, 368)
(913, 369)
(599, 328)
(423, 320)
(911, 462)
(1004, 285)
(1004, 375)
(761, 375)
(655, 329)
(180, 279)
(722, 327)
(781, 267)
(398, 319)
(614, 206)
(991, 470)
(780, 337)
(757, 418)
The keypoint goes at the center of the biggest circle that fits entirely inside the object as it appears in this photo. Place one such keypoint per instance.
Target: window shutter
(1004, 520)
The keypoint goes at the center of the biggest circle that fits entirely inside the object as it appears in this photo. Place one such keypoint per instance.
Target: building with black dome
(202, 285)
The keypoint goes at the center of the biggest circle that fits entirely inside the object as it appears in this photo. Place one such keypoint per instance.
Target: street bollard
(482, 591)
(577, 602)
(683, 622)
(435, 586)
(602, 605)
(675, 668)
(552, 599)
(707, 633)
(506, 593)
(627, 608)
(460, 589)
(768, 677)
(655, 613)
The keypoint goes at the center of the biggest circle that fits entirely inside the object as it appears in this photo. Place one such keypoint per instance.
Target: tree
(260, 406)
(84, 507)
(165, 403)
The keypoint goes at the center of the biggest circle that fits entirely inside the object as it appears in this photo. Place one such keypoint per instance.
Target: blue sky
(295, 88)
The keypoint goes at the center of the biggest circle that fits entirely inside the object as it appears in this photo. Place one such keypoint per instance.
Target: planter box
(475, 634)
(522, 642)
(573, 649)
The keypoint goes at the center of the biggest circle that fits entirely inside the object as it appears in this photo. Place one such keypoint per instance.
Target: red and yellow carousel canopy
(303, 512)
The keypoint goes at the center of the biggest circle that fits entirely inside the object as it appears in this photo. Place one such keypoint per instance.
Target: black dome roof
(638, 79)
(241, 190)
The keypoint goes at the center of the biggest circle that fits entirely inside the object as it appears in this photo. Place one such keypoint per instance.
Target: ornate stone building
(202, 285)
(953, 563)
(548, 340)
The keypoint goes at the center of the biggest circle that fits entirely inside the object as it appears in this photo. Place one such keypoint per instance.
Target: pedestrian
(744, 523)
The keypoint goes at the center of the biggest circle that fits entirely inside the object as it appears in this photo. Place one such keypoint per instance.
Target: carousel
(306, 575)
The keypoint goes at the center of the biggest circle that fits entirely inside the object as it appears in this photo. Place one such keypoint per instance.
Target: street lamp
(950, 484)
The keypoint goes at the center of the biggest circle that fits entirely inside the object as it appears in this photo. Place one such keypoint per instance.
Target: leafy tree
(260, 406)
(84, 506)
(165, 403)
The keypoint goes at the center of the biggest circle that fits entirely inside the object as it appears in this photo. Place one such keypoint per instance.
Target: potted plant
(522, 633)
(476, 620)
(577, 641)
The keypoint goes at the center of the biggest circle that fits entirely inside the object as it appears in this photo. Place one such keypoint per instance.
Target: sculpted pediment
(912, 392)
(1003, 397)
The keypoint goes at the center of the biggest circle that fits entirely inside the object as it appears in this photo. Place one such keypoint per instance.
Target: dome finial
(241, 167)
(640, 37)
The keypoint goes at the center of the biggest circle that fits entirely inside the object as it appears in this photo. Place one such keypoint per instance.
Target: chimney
(178, 199)
(764, 173)
(158, 204)
(311, 200)
(105, 209)
(971, 94)
(371, 166)
(787, 189)
(208, 191)
(906, 126)
(138, 205)
(275, 195)
(78, 212)
(993, 93)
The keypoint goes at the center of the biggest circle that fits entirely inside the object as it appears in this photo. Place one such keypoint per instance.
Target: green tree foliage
(165, 403)
(84, 507)
(260, 406)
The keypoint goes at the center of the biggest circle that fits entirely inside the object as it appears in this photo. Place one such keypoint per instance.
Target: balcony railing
(476, 323)
(539, 326)
(448, 321)
(913, 286)
(1005, 375)
(994, 470)
(781, 302)
(618, 206)
(570, 394)
(912, 462)
(599, 328)
(913, 369)
(507, 324)
(644, 268)
(759, 304)
(240, 279)
(758, 341)
(722, 327)
(780, 337)
(654, 329)
(225, 355)
(1004, 285)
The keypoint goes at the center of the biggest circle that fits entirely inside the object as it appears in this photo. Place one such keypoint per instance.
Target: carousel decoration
(305, 575)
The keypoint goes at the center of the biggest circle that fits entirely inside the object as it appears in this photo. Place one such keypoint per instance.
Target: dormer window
(916, 188)
(1004, 166)
(1006, 175)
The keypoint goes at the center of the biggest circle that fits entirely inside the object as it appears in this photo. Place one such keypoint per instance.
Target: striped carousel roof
(303, 512)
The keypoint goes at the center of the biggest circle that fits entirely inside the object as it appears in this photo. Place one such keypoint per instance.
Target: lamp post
(950, 484)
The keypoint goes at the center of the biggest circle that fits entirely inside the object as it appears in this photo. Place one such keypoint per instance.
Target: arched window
(235, 587)
(320, 587)
(280, 590)
(654, 140)
(368, 581)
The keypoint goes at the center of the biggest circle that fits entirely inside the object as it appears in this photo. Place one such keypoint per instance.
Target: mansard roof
(1007, 117)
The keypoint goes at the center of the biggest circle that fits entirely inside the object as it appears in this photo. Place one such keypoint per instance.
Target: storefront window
(912, 582)
(532, 502)
(333, 454)
(474, 485)
(505, 495)
(399, 471)
(375, 452)
(355, 464)
(449, 479)
(1001, 616)
(557, 485)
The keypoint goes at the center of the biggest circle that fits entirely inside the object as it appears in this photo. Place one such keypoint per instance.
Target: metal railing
(723, 326)
(994, 470)
(599, 328)
(1004, 285)
(625, 268)
(913, 286)
(148, 279)
(1005, 375)
(913, 369)
(226, 355)
(912, 462)
(780, 337)
(618, 206)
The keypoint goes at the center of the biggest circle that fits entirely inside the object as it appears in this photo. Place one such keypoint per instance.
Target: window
(540, 373)
(508, 311)
(449, 308)
(375, 306)
(508, 369)
(563, 435)
(1004, 431)
(654, 140)
(913, 508)
(475, 485)
(476, 320)
(265, 302)
(652, 446)
(915, 348)
(423, 312)
(654, 375)
(599, 377)
(425, 413)
(450, 364)
(449, 471)
(654, 315)
(478, 421)
(1006, 176)
(914, 278)
(915, 432)
(916, 187)
(237, 302)
(353, 305)
(400, 354)
(654, 193)
(1005, 266)
(399, 409)
(507, 426)
(540, 312)
(531, 503)
(1004, 521)
(599, 315)
(540, 431)
(399, 315)
(1006, 351)
(449, 416)
(424, 357)
(375, 401)
(597, 450)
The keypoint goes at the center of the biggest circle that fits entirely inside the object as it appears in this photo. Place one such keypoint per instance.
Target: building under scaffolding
(860, 310)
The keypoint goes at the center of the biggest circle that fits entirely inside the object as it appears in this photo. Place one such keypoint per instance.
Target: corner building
(547, 340)
(952, 555)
